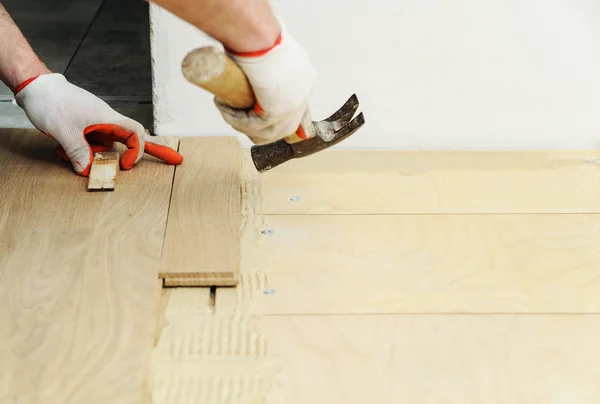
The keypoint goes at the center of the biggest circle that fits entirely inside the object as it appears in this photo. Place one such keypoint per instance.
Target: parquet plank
(78, 277)
(202, 241)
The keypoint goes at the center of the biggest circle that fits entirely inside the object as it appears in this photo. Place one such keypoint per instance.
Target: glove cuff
(281, 39)
(257, 53)
(24, 84)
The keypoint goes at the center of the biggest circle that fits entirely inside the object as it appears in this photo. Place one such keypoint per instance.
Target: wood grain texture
(103, 172)
(435, 359)
(398, 182)
(78, 277)
(202, 241)
(210, 68)
(343, 308)
(211, 349)
(433, 264)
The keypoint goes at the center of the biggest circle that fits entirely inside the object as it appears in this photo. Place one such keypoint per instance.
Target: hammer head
(328, 133)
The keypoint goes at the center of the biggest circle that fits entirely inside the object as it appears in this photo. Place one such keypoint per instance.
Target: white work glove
(83, 124)
(282, 79)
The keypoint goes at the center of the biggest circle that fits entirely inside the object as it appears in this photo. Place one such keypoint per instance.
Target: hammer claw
(329, 132)
(271, 155)
(346, 111)
(328, 128)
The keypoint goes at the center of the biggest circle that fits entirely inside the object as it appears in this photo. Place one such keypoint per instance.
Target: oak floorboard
(202, 241)
(78, 277)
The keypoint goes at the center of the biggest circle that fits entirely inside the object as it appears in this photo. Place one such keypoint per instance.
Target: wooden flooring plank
(202, 241)
(400, 182)
(434, 359)
(78, 282)
(431, 264)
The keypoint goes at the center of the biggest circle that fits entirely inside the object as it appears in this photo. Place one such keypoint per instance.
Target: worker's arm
(79, 121)
(240, 25)
(277, 66)
(18, 61)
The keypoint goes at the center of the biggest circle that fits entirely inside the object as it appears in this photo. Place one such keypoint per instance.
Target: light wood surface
(78, 277)
(433, 264)
(436, 278)
(211, 69)
(201, 245)
(103, 172)
(404, 182)
(434, 359)
(487, 295)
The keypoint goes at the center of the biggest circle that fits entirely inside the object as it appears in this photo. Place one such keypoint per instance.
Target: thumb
(79, 153)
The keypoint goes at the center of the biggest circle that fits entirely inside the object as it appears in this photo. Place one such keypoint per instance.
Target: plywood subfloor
(400, 277)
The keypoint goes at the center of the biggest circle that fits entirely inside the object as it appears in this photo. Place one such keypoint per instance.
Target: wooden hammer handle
(211, 69)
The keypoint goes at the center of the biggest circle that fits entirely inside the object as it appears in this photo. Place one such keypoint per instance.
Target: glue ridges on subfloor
(219, 355)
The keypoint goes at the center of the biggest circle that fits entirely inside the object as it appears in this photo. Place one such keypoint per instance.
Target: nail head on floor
(267, 231)
(270, 292)
(294, 198)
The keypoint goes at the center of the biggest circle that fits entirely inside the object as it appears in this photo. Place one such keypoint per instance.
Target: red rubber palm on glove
(83, 124)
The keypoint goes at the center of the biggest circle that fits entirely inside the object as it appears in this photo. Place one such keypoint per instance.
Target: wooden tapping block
(202, 240)
(103, 172)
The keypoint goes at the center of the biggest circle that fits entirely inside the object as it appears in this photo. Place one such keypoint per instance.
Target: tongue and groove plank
(78, 277)
(202, 241)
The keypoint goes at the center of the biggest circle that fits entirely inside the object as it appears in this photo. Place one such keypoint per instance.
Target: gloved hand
(282, 78)
(83, 124)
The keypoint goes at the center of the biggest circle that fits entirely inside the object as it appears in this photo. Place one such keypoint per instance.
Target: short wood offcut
(103, 172)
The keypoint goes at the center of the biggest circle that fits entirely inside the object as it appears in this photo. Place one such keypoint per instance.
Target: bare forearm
(240, 25)
(18, 61)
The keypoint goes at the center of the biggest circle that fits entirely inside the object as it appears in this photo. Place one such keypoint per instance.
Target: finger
(259, 129)
(243, 120)
(165, 153)
(96, 148)
(120, 134)
(79, 153)
(138, 129)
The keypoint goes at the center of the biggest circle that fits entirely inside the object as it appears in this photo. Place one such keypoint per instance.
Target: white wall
(430, 74)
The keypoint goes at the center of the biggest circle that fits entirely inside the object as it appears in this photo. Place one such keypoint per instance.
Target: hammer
(211, 69)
